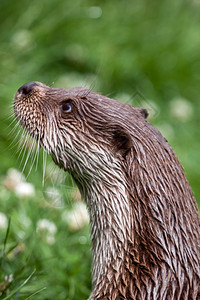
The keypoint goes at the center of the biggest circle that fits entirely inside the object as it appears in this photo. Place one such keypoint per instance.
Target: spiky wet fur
(145, 227)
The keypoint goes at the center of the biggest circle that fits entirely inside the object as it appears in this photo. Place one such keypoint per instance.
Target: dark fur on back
(145, 227)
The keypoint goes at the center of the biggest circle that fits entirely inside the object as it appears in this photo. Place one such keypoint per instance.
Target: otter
(145, 226)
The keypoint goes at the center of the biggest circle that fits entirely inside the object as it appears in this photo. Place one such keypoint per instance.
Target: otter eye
(66, 107)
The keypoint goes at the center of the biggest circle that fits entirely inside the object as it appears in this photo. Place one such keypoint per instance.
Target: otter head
(80, 129)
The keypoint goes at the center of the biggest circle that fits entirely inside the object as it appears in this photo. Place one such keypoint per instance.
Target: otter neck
(108, 205)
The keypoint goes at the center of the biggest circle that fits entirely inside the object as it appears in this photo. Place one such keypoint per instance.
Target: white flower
(3, 221)
(25, 189)
(45, 225)
(50, 239)
(47, 229)
(12, 179)
(15, 181)
(77, 218)
(181, 109)
(9, 278)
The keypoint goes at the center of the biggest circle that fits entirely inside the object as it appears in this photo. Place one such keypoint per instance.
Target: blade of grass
(6, 237)
(37, 292)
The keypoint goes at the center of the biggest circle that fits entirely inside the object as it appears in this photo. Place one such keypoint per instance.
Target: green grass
(145, 53)
(56, 269)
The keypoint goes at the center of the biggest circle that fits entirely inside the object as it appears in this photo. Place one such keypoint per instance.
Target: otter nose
(27, 88)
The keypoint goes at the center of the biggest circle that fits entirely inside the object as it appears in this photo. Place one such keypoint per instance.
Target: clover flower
(47, 229)
(181, 109)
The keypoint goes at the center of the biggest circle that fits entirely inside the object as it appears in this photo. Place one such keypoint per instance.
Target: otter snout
(27, 88)
(27, 107)
(30, 87)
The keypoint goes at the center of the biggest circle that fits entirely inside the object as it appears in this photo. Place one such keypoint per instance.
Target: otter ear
(144, 113)
(122, 142)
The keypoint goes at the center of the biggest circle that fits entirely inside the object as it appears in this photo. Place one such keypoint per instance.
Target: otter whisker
(33, 156)
(23, 142)
(14, 128)
(15, 142)
(11, 106)
(28, 155)
(37, 153)
(44, 166)
(13, 118)
(13, 132)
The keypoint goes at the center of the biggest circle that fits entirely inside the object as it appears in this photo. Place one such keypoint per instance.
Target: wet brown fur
(160, 258)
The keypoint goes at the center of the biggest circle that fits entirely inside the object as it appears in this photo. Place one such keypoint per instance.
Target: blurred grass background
(143, 52)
